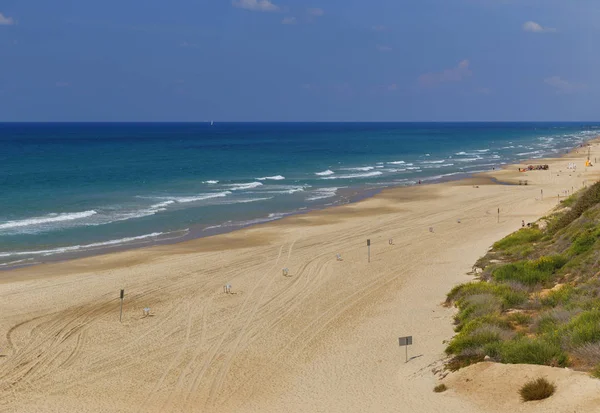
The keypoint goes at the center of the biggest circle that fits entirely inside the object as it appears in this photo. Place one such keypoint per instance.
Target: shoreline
(323, 339)
(196, 232)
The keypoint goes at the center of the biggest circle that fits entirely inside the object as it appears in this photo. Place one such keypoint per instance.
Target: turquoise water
(74, 188)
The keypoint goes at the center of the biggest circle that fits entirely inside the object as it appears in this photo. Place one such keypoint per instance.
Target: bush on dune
(521, 237)
(530, 273)
(538, 389)
(524, 350)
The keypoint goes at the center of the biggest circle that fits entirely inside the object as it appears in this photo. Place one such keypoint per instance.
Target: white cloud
(288, 20)
(255, 5)
(534, 27)
(456, 74)
(316, 12)
(6, 21)
(384, 48)
(563, 86)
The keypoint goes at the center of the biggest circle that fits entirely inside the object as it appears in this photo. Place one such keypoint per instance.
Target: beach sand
(323, 339)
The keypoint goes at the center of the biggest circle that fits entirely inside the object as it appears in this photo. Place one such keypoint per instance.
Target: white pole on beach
(369, 249)
(498, 215)
(121, 313)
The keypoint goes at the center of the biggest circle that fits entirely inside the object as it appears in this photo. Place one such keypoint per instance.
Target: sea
(76, 189)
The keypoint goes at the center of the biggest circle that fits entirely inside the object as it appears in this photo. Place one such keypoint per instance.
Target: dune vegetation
(537, 300)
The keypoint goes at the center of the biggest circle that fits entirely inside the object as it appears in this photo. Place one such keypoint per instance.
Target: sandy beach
(323, 339)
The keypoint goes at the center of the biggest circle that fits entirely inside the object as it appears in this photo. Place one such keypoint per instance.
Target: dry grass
(440, 388)
(538, 389)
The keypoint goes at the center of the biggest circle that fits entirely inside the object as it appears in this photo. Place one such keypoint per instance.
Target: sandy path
(323, 339)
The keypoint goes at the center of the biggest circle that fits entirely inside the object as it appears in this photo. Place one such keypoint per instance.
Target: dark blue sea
(79, 188)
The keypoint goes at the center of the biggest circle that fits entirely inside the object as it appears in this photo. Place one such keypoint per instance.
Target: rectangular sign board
(405, 341)
(368, 242)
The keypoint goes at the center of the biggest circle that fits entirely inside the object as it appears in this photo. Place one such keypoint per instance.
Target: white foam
(210, 182)
(81, 247)
(162, 205)
(272, 178)
(434, 161)
(201, 197)
(246, 201)
(362, 168)
(322, 193)
(325, 173)
(397, 163)
(48, 219)
(467, 159)
(240, 187)
(351, 176)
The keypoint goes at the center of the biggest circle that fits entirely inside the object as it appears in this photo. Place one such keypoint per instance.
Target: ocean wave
(322, 193)
(362, 168)
(393, 170)
(272, 178)
(73, 248)
(201, 197)
(47, 219)
(467, 159)
(210, 182)
(351, 176)
(529, 153)
(325, 173)
(162, 205)
(245, 201)
(442, 165)
(241, 187)
(397, 163)
(433, 161)
(286, 190)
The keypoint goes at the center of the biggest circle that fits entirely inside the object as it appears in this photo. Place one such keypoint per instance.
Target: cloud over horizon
(6, 21)
(563, 86)
(255, 5)
(384, 48)
(534, 27)
(455, 74)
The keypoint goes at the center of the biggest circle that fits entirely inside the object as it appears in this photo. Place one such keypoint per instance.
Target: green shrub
(584, 241)
(524, 350)
(560, 296)
(473, 340)
(475, 306)
(596, 372)
(530, 273)
(440, 388)
(521, 319)
(588, 199)
(584, 328)
(523, 236)
(509, 296)
(538, 389)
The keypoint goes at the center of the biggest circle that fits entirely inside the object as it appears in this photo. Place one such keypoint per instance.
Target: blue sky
(290, 60)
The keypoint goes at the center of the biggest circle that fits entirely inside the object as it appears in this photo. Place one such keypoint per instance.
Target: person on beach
(522, 223)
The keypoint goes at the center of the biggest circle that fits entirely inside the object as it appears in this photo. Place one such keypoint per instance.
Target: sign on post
(122, 297)
(369, 249)
(405, 342)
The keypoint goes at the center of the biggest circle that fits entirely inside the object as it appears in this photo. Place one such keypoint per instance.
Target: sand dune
(323, 339)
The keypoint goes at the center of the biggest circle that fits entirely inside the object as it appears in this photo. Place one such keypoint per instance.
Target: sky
(292, 60)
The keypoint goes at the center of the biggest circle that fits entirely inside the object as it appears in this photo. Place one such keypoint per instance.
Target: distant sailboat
(211, 123)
